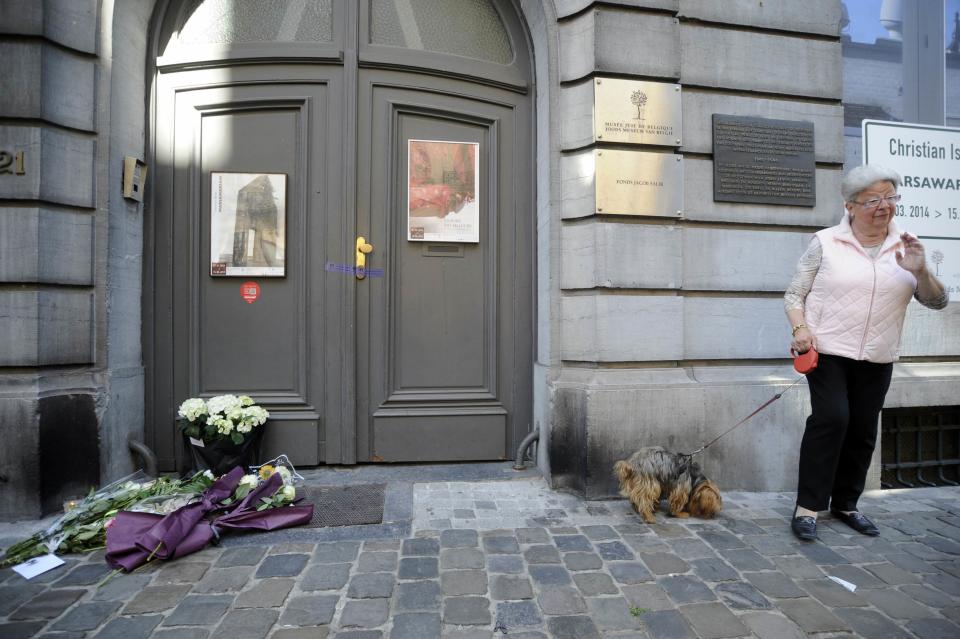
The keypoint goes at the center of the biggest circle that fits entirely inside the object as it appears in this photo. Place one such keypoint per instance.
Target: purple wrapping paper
(134, 536)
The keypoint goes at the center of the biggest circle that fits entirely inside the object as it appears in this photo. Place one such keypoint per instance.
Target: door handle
(362, 249)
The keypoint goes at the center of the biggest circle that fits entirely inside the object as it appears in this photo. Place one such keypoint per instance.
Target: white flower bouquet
(83, 527)
(222, 417)
(86, 525)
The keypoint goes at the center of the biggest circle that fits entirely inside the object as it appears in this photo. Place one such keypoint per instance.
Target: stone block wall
(672, 330)
(48, 417)
(69, 250)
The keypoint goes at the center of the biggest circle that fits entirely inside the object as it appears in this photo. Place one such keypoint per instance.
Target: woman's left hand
(913, 258)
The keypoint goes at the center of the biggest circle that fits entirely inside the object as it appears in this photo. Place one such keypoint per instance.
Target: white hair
(863, 176)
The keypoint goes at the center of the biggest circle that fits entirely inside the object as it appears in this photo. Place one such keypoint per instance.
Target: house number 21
(11, 163)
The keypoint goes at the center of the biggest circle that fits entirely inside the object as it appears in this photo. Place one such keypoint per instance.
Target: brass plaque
(636, 112)
(639, 183)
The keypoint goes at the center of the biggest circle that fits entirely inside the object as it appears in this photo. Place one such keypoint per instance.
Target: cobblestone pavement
(491, 559)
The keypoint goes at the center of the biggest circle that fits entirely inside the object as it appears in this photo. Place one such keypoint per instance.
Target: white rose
(249, 480)
(285, 475)
(288, 492)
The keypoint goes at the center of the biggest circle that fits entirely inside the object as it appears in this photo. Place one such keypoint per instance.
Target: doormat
(344, 505)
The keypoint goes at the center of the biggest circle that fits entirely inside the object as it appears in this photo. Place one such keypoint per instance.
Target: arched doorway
(284, 131)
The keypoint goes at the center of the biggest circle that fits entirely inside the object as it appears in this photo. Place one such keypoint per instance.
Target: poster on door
(443, 188)
(248, 215)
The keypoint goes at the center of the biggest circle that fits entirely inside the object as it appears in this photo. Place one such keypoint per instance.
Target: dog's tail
(624, 472)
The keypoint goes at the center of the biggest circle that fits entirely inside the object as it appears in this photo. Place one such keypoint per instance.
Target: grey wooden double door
(429, 357)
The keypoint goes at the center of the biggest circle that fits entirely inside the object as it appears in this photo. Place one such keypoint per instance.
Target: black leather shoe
(858, 522)
(805, 528)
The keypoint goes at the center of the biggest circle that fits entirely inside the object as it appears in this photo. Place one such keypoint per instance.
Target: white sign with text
(928, 158)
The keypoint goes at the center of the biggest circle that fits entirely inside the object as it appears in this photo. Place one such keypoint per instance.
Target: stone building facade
(644, 330)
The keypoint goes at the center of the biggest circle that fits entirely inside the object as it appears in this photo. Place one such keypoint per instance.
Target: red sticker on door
(250, 291)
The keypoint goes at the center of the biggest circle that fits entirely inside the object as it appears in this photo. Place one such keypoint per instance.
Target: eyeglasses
(874, 203)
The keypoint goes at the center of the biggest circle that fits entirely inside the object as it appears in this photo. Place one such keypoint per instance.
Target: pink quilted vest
(857, 303)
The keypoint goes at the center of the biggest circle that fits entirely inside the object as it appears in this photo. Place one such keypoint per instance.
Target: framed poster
(443, 187)
(248, 220)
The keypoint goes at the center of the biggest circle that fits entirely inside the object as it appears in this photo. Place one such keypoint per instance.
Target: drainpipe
(531, 437)
(148, 456)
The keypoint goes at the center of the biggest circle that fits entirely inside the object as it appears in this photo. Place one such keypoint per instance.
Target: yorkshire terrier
(653, 471)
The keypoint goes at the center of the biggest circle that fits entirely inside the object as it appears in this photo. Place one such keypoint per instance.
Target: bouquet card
(38, 565)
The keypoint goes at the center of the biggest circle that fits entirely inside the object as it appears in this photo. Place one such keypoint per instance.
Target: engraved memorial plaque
(636, 112)
(763, 161)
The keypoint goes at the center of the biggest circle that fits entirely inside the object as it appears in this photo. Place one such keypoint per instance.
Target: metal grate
(920, 447)
(344, 505)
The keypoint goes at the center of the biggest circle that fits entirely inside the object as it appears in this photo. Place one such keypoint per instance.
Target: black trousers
(846, 396)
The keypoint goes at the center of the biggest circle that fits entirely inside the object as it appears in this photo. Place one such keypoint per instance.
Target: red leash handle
(805, 362)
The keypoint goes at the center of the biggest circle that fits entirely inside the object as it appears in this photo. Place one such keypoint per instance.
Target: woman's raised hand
(912, 258)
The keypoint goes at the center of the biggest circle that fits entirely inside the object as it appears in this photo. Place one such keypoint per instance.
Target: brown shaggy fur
(652, 472)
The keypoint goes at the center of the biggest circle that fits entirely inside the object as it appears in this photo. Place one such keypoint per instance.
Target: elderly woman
(848, 300)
